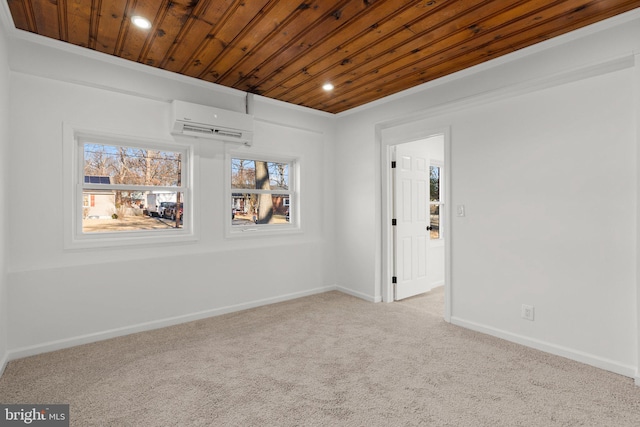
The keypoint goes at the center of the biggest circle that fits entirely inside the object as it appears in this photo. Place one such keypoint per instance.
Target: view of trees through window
(260, 192)
(435, 201)
(131, 188)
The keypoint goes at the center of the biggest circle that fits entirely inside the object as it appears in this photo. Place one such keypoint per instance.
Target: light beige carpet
(324, 360)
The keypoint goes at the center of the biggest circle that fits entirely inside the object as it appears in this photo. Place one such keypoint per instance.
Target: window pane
(435, 183)
(243, 173)
(111, 164)
(255, 174)
(278, 176)
(435, 222)
(114, 211)
(249, 209)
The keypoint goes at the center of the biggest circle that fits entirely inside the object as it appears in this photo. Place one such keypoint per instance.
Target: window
(127, 191)
(436, 202)
(262, 194)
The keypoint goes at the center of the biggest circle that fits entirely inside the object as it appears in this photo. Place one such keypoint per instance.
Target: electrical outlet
(527, 312)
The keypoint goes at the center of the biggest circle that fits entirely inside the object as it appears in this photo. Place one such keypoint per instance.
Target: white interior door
(411, 212)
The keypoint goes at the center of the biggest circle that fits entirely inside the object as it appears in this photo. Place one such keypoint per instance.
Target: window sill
(116, 240)
(262, 231)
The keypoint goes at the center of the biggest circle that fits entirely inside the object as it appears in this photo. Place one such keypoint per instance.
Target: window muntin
(122, 185)
(262, 193)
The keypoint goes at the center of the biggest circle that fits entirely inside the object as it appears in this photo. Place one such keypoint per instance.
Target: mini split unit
(202, 121)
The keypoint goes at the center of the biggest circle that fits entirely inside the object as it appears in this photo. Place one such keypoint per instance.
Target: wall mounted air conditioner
(212, 123)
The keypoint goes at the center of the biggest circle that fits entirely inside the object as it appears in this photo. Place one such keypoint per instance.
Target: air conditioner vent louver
(187, 128)
(228, 133)
(211, 123)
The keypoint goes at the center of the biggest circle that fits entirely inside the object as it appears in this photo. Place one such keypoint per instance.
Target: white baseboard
(569, 353)
(3, 363)
(359, 294)
(46, 347)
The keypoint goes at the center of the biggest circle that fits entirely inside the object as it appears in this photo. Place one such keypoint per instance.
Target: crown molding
(289, 105)
(505, 59)
(117, 61)
(14, 33)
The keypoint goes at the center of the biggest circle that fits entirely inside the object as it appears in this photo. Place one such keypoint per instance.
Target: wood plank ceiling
(287, 50)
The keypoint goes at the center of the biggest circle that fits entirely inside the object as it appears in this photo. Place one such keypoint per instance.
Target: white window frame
(74, 138)
(294, 226)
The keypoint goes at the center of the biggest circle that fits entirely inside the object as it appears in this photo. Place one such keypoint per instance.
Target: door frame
(387, 142)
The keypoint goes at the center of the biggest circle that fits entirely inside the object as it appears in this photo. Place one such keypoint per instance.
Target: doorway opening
(416, 226)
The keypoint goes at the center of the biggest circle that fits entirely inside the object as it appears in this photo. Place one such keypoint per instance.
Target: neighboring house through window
(262, 193)
(98, 203)
(119, 186)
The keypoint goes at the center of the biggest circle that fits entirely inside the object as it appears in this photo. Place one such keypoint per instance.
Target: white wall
(4, 166)
(636, 89)
(548, 180)
(63, 297)
(544, 157)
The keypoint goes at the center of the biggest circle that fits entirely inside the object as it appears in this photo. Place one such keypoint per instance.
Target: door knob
(429, 228)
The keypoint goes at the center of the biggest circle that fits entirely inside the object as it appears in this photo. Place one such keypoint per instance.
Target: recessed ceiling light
(327, 86)
(141, 22)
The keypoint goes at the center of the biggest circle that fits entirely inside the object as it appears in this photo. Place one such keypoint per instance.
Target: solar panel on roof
(97, 179)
